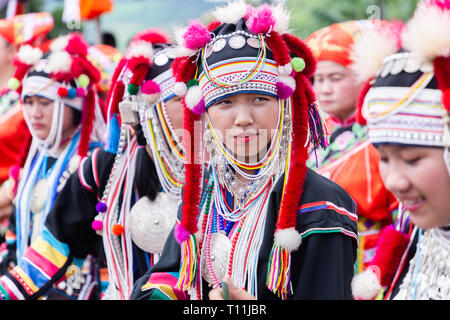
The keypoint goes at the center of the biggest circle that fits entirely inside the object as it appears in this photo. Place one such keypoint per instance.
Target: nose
(243, 117)
(395, 179)
(35, 111)
(323, 87)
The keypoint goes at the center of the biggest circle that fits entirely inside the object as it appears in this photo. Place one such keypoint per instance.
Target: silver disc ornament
(150, 222)
(39, 196)
(219, 253)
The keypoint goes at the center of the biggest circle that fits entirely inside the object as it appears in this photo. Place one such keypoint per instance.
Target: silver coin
(253, 42)
(236, 42)
(39, 196)
(161, 59)
(208, 51)
(220, 249)
(219, 45)
(150, 222)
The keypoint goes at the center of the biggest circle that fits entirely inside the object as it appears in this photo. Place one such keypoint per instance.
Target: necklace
(428, 275)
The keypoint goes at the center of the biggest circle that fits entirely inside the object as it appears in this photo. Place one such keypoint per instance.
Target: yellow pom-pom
(298, 64)
(83, 80)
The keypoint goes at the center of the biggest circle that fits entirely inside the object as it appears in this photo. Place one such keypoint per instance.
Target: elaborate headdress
(140, 85)
(65, 76)
(407, 102)
(246, 49)
(30, 28)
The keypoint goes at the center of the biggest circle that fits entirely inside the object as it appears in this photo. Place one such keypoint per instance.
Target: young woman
(336, 84)
(407, 111)
(63, 114)
(256, 214)
(127, 192)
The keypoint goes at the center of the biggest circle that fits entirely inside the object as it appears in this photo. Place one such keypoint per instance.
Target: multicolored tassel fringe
(189, 264)
(279, 272)
(317, 127)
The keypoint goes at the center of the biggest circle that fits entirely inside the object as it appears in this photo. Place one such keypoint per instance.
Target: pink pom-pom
(181, 233)
(284, 89)
(81, 92)
(76, 45)
(14, 172)
(199, 108)
(150, 87)
(261, 20)
(196, 36)
(97, 225)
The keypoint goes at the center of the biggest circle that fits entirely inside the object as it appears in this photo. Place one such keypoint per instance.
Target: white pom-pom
(59, 44)
(140, 49)
(150, 99)
(180, 89)
(365, 285)
(59, 61)
(285, 70)
(231, 13)
(29, 55)
(369, 50)
(288, 239)
(282, 18)
(426, 33)
(288, 80)
(193, 96)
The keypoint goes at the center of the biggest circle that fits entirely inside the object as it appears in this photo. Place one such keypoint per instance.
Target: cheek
(221, 120)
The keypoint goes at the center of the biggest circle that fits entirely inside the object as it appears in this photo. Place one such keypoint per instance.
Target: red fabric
(364, 184)
(13, 132)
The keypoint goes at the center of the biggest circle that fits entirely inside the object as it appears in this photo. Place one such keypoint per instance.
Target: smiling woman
(407, 113)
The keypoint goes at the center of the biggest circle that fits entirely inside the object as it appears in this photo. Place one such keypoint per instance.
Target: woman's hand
(233, 292)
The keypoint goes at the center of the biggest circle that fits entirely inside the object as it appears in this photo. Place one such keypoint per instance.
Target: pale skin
(246, 123)
(39, 111)
(418, 177)
(336, 89)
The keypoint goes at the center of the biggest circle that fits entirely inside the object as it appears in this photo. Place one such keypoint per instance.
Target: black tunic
(322, 268)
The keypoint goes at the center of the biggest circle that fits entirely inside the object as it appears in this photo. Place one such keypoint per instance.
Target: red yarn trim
(301, 50)
(184, 69)
(279, 48)
(442, 73)
(116, 96)
(287, 217)
(114, 78)
(193, 170)
(139, 74)
(87, 122)
(390, 248)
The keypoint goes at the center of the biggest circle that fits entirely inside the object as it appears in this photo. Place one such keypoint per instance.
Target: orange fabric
(13, 129)
(91, 9)
(358, 173)
(26, 28)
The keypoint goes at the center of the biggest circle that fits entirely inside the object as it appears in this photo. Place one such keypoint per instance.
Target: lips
(412, 204)
(245, 137)
(37, 126)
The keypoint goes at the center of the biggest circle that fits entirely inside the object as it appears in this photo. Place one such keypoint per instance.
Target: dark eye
(412, 161)
(260, 99)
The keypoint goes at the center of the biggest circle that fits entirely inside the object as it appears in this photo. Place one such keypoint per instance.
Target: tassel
(279, 272)
(189, 264)
(317, 128)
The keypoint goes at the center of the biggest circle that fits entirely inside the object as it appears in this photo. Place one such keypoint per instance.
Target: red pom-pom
(77, 46)
(117, 229)
(213, 25)
(62, 92)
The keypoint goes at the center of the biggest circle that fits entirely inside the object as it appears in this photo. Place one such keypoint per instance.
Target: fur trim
(87, 123)
(426, 33)
(231, 13)
(59, 44)
(288, 239)
(282, 18)
(442, 74)
(193, 97)
(301, 50)
(366, 285)
(140, 49)
(180, 89)
(369, 50)
(279, 49)
(285, 87)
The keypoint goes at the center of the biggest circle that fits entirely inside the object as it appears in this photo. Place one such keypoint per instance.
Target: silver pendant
(151, 221)
(220, 249)
(128, 111)
(39, 196)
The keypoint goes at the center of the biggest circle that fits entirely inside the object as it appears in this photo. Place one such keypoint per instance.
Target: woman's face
(39, 111)
(336, 89)
(245, 123)
(418, 177)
